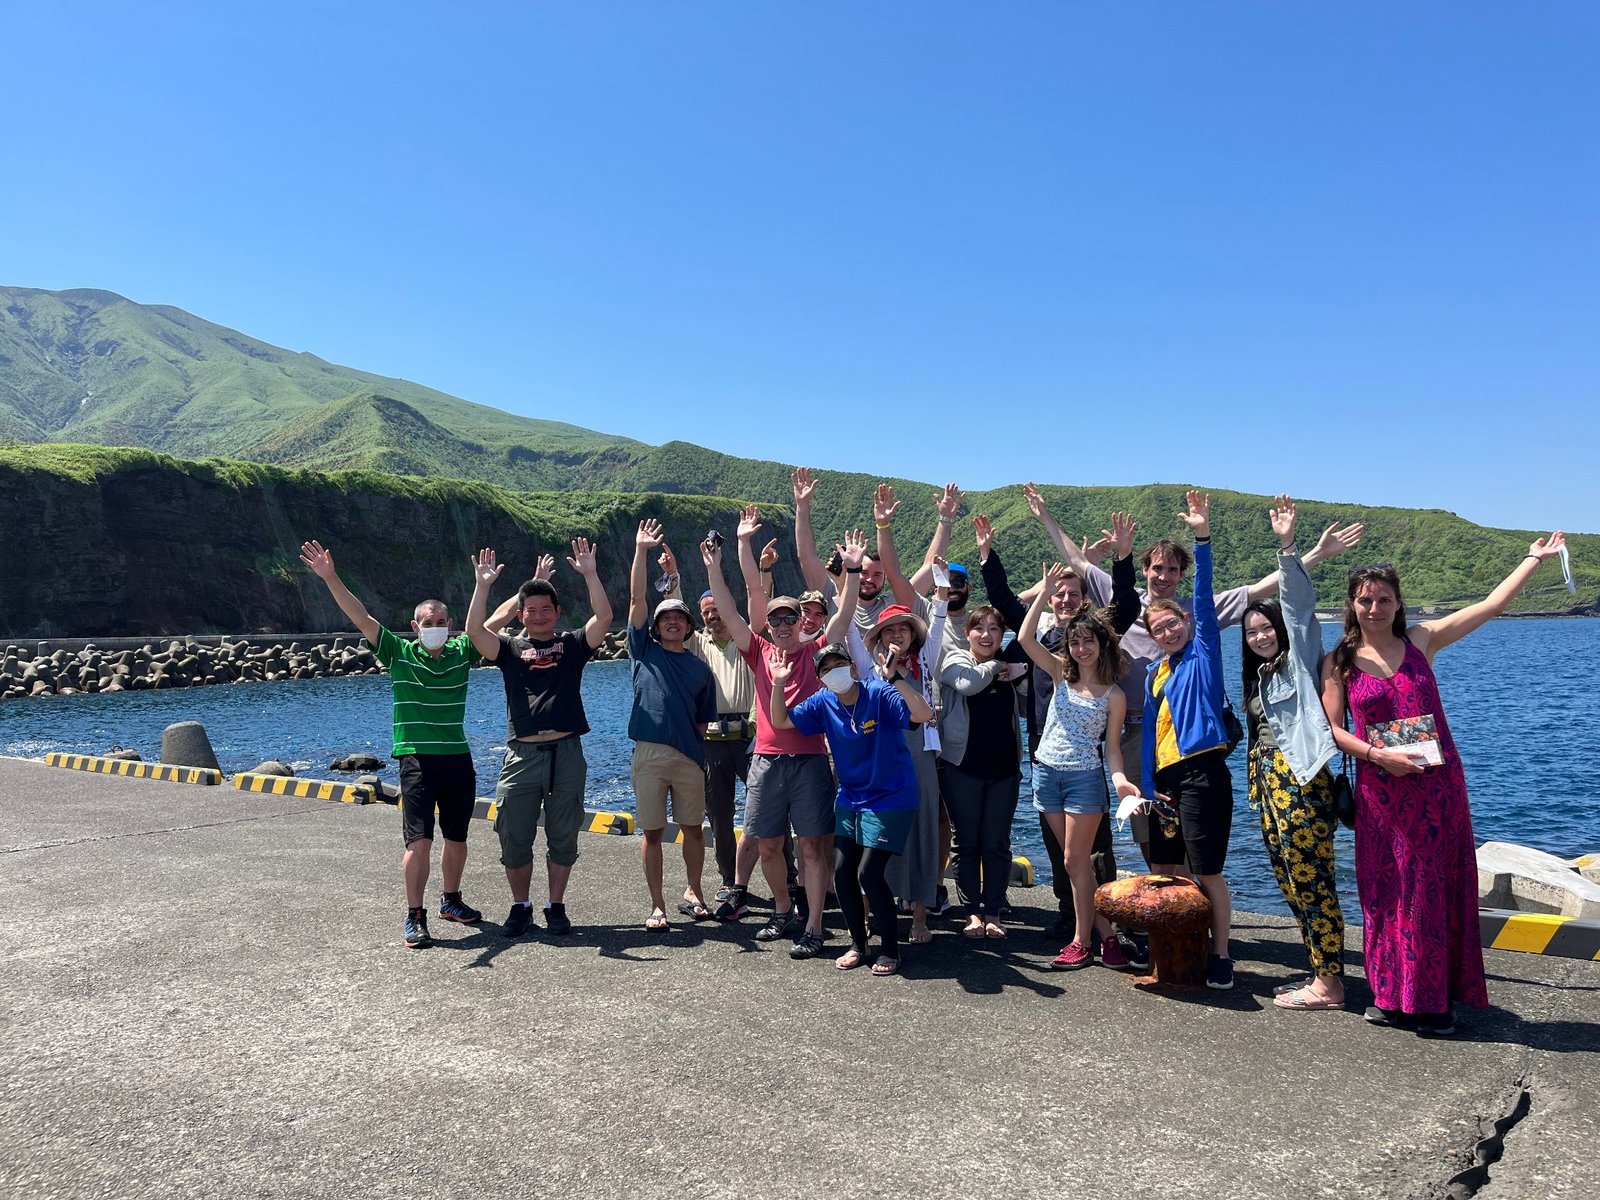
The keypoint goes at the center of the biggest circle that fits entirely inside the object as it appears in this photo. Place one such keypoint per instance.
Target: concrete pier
(204, 993)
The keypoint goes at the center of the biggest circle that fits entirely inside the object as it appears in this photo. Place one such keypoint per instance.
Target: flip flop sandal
(886, 966)
(698, 911)
(1294, 985)
(1296, 1002)
(657, 923)
(851, 959)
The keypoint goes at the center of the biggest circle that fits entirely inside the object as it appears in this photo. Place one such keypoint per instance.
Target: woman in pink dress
(1416, 867)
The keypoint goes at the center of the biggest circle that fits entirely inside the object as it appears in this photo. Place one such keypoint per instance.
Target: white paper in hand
(1566, 572)
(941, 576)
(1128, 806)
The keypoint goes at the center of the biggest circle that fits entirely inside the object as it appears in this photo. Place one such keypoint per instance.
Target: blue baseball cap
(958, 569)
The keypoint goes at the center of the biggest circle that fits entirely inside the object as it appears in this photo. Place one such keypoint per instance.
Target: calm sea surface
(1518, 695)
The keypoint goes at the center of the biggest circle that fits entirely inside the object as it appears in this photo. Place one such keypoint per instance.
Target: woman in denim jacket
(1291, 746)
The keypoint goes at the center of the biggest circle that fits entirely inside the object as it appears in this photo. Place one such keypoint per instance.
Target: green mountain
(90, 366)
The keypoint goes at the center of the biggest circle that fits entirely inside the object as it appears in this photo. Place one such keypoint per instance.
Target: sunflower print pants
(1297, 824)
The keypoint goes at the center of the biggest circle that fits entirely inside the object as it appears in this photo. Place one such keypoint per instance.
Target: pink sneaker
(1072, 956)
(1111, 953)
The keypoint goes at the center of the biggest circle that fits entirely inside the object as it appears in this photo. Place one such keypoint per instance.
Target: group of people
(879, 723)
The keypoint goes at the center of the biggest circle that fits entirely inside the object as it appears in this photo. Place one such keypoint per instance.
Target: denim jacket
(1292, 697)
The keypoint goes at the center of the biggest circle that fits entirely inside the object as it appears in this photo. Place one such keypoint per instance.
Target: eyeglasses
(1166, 627)
(784, 618)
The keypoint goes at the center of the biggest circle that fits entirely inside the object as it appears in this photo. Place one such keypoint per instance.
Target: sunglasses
(784, 618)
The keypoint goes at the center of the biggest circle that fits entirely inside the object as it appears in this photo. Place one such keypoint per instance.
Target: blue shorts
(1056, 789)
(875, 830)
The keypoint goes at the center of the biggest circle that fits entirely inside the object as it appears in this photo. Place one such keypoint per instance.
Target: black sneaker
(1137, 947)
(941, 901)
(453, 908)
(735, 905)
(725, 892)
(1219, 975)
(517, 921)
(555, 920)
(1436, 1024)
(778, 924)
(417, 929)
(809, 946)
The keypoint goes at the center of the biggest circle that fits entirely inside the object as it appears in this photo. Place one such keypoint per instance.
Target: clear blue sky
(1351, 250)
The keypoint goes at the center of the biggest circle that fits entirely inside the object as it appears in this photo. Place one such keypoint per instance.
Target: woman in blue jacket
(1291, 746)
(1186, 762)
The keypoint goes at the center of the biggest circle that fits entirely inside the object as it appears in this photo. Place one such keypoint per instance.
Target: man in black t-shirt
(544, 767)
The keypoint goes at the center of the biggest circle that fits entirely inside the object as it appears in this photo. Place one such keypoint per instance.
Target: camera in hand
(714, 539)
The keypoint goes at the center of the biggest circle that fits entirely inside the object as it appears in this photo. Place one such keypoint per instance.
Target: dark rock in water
(272, 767)
(185, 744)
(358, 762)
(125, 755)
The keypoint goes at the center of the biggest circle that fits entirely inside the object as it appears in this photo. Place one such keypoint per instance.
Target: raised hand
(1198, 515)
(949, 502)
(884, 505)
(1035, 499)
(749, 522)
(769, 556)
(1336, 541)
(1543, 548)
(1122, 531)
(854, 549)
(583, 554)
(485, 570)
(803, 485)
(649, 535)
(546, 567)
(319, 560)
(1096, 550)
(984, 532)
(667, 561)
(1054, 576)
(1282, 515)
(781, 669)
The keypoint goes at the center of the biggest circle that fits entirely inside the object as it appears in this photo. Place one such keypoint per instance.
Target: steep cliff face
(127, 543)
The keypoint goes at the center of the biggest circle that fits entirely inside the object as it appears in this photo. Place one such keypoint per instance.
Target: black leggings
(857, 870)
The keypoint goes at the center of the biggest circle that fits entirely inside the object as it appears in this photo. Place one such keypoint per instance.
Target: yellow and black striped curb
(1539, 933)
(308, 789)
(594, 820)
(136, 770)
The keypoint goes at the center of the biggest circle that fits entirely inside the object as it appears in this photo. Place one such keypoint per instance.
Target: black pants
(856, 872)
(980, 819)
(1101, 856)
(727, 763)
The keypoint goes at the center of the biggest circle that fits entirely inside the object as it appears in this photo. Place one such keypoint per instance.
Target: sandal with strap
(851, 959)
(885, 966)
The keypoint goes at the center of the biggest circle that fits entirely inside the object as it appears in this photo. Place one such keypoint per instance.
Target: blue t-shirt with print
(674, 696)
(868, 742)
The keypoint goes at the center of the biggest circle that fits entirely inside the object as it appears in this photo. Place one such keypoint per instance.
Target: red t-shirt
(802, 684)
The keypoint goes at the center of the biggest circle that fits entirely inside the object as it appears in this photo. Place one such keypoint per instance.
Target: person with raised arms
(790, 785)
(674, 701)
(428, 680)
(1165, 563)
(877, 800)
(544, 768)
(1066, 603)
(1080, 745)
(1416, 871)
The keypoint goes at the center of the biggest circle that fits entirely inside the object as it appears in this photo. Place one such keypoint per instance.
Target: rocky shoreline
(25, 672)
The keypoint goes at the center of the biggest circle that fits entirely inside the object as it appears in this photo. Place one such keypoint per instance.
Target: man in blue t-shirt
(674, 698)
(877, 801)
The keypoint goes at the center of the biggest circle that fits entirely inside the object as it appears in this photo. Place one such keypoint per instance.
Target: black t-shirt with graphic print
(543, 683)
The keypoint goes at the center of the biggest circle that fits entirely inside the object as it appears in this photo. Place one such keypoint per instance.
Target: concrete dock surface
(205, 994)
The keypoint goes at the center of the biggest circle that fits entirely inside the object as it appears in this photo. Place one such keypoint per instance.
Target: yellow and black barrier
(594, 820)
(305, 789)
(134, 770)
(1539, 933)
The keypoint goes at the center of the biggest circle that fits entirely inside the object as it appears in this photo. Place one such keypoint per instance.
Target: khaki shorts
(659, 769)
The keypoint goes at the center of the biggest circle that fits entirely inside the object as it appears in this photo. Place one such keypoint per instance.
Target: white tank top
(1073, 730)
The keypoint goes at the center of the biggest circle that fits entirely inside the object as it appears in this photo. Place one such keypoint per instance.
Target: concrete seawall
(205, 992)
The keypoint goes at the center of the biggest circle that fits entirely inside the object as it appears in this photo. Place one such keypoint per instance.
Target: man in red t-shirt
(790, 783)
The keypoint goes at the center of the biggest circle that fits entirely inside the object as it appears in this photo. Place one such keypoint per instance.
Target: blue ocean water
(1519, 696)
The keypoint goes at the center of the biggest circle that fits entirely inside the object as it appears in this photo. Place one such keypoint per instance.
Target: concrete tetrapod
(1176, 915)
(185, 744)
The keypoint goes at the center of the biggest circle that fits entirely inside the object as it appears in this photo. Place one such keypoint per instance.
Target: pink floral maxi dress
(1416, 866)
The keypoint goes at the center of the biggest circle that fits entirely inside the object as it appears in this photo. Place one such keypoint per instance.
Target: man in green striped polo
(429, 678)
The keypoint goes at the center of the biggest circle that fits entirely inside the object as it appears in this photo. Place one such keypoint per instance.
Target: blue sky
(1349, 250)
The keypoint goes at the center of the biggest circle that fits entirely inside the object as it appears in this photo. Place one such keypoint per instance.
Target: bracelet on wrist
(1535, 557)
(1198, 540)
(882, 524)
(1369, 753)
(852, 570)
(766, 570)
(944, 520)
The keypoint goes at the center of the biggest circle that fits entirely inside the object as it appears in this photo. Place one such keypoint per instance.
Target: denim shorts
(1056, 790)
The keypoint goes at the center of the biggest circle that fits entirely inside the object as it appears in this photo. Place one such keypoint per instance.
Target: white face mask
(838, 680)
(433, 637)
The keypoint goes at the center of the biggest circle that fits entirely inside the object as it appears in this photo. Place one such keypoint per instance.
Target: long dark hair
(1344, 654)
(1253, 662)
(1113, 661)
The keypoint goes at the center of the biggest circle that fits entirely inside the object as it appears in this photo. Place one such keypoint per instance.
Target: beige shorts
(659, 769)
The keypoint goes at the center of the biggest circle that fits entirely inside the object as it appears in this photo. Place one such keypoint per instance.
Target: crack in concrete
(113, 837)
(1491, 1145)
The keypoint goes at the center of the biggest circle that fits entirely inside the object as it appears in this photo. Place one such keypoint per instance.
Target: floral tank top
(1073, 730)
